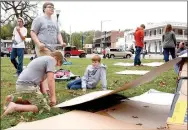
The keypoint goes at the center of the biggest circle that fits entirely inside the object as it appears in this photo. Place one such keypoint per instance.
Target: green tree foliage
(6, 31)
(65, 36)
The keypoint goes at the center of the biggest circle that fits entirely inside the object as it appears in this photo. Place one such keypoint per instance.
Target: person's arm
(51, 85)
(22, 34)
(35, 27)
(163, 38)
(35, 38)
(50, 69)
(103, 79)
(142, 36)
(84, 78)
(174, 38)
(13, 34)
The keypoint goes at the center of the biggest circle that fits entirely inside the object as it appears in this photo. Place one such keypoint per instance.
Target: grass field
(166, 83)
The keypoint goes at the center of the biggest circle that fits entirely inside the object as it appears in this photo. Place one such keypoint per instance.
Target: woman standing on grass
(169, 42)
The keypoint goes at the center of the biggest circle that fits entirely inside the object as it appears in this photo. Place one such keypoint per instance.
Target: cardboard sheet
(134, 72)
(79, 120)
(155, 97)
(84, 98)
(141, 80)
(152, 64)
(137, 113)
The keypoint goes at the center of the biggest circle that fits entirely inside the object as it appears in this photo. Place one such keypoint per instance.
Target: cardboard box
(177, 119)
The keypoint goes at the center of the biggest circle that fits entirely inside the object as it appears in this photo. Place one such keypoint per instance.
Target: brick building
(108, 38)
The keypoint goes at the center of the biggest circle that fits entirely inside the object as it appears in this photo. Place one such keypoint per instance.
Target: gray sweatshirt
(93, 75)
(169, 40)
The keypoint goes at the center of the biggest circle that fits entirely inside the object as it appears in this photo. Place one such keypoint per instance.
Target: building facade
(153, 35)
(108, 39)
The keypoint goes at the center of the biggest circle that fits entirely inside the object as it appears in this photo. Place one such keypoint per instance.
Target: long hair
(168, 28)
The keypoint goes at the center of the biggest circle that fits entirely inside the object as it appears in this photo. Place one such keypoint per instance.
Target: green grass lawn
(166, 83)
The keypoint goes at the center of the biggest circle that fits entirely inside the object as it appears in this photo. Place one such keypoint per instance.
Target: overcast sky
(83, 16)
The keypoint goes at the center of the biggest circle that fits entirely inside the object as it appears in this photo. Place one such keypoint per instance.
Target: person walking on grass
(169, 43)
(30, 93)
(19, 35)
(139, 44)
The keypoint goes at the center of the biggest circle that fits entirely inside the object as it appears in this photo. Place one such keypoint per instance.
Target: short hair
(58, 55)
(46, 4)
(142, 25)
(22, 20)
(96, 58)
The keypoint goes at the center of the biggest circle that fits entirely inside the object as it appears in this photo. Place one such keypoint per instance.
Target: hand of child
(41, 46)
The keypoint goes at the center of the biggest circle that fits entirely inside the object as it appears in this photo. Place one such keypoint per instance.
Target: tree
(15, 9)
(88, 37)
(76, 39)
(6, 31)
(65, 36)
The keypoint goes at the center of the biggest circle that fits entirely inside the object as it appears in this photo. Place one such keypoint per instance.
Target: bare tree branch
(7, 18)
(19, 8)
(18, 4)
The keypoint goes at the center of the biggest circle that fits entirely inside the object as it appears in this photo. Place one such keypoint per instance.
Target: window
(113, 50)
(67, 48)
(73, 48)
(155, 32)
(150, 33)
(160, 32)
(180, 32)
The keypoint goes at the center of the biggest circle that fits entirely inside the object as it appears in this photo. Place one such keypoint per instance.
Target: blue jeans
(166, 53)
(17, 52)
(75, 84)
(137, 56)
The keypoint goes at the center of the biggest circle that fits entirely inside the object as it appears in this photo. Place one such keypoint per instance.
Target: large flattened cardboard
(141, 80)
(77, 120)
(154, 97)
(133, 72)
(150, 116)
(152, 64)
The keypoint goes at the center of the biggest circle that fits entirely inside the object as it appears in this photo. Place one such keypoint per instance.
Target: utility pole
(70, 37)
(102, 21)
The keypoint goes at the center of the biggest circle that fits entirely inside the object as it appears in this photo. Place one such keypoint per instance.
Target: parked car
(73, 51)
(5, 52)
(116, 52)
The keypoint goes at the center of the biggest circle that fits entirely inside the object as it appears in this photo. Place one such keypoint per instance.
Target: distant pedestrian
(19, 35)
(139, 44)
(169, 42)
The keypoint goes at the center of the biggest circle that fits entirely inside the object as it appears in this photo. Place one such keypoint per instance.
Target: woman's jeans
(166, 53)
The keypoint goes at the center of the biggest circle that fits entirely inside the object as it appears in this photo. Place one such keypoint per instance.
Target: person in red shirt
(139, 44)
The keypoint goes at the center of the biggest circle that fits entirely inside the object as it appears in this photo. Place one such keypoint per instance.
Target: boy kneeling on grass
(29, 91)
(93, 74)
